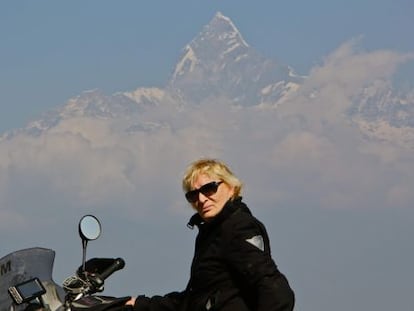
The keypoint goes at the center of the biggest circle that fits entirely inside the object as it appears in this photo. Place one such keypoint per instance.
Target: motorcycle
(26, 282)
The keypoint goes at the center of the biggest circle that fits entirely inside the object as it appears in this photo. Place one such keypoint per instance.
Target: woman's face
(208, 206)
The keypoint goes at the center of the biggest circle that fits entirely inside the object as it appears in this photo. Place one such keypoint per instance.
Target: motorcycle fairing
(23, 265)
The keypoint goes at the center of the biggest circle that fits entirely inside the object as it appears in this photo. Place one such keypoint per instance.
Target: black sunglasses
(207, 190)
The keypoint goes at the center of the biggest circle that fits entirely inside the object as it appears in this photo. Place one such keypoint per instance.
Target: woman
(232, 268)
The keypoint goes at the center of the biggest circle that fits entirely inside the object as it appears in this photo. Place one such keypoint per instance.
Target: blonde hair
(214, 169)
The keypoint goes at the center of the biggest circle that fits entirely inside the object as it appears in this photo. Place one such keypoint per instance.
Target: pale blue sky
(53, 50)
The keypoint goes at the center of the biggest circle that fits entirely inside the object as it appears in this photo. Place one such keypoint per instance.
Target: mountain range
(218, 65)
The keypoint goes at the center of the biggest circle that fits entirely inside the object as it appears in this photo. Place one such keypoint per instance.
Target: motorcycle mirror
(89, 228)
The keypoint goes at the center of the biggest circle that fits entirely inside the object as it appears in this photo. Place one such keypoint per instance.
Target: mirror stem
(84, 244)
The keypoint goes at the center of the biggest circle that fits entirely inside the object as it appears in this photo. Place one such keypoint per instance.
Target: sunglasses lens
(192, 196)
(207, 190)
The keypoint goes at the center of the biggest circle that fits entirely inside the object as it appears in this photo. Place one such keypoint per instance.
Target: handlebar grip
(118, 264)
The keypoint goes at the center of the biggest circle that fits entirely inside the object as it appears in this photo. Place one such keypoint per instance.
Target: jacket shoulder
(242, 224)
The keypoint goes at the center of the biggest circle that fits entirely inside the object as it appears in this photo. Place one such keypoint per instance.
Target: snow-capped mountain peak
(228, 30)
(217, 39)
(219, 61)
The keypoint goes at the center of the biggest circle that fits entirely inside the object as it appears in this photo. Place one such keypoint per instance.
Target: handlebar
(91, 280)
(118, 264)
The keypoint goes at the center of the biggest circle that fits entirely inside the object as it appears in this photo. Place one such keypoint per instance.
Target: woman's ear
(231, 191)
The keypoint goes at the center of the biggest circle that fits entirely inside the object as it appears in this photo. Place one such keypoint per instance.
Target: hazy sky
(337, 207)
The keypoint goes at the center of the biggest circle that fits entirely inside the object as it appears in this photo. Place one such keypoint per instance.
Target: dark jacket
(232, 269)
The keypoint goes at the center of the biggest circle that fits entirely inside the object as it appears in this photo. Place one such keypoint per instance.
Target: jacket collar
(229, 208)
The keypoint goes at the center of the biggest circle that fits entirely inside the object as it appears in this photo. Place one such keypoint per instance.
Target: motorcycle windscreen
(23, 265)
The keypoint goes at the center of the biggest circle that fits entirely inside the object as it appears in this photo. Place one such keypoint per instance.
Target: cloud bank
(305, 152)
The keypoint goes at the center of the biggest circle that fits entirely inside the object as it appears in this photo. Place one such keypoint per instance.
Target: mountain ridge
(219, 64)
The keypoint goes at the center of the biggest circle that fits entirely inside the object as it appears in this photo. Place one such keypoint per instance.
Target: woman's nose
(201, 197)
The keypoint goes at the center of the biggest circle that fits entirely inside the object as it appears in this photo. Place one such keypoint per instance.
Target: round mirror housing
(89, 228)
